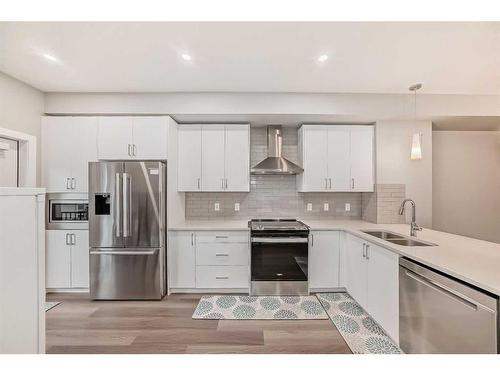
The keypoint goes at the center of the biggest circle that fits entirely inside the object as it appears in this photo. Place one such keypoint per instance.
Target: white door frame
(27, 156)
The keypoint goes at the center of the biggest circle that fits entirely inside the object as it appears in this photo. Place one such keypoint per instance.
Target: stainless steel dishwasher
(439, 314)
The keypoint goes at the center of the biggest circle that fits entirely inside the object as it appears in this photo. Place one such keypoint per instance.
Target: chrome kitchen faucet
(413, 225)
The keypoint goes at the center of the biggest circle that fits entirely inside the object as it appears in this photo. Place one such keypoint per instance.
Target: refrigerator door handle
(118, 252)
(118, 205)
(126, 204)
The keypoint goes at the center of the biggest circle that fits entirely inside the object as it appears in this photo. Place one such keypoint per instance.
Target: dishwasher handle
(443, 289)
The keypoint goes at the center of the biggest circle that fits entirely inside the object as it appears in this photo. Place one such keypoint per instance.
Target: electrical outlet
(309, 207)
(326, 207)
(348, 207)
(236, 206)
(216, 207)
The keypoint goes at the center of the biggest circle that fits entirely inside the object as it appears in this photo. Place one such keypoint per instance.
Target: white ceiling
(448, 58)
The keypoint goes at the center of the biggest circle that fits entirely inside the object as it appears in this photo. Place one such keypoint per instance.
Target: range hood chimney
(275, 163)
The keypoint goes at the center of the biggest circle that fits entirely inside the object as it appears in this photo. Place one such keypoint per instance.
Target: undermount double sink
(396, 238)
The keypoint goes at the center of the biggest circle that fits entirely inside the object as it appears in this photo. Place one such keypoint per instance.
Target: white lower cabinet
(371, 278)
(207, 259)
(222, 276)
(67, 263)
(181, 260)
(324, 258)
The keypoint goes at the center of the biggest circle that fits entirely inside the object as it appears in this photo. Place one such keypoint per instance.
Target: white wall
(370, 107)
(393, 164)
(466, 175)
(20, 109)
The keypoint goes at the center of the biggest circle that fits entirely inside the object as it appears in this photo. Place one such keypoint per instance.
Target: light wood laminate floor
(79, 325)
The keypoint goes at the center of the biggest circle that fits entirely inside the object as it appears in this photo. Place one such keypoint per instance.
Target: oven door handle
(279, 239)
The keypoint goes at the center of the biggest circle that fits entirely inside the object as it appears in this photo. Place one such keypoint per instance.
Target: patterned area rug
(50, 305)
(359, 330)
(262, 307)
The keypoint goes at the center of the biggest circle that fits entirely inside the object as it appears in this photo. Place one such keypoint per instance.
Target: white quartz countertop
(474, 261)
(10, 191)
(210, 225)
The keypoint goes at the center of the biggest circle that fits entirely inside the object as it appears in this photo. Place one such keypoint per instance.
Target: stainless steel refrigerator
(127, 221)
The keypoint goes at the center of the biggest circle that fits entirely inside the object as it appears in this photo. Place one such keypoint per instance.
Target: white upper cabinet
(313, 151)
(214, 157)
(189, 167)
(336, 158)
(236, 159)
(362, 158)
(68, 144)
(115, 137)
(133, 138)
(150, 137)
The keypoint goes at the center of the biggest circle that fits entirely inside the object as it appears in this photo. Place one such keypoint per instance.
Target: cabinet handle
(221, 277)
(226, 184)
(134, 150)
(192, 239)
(352, 183)
(367, 251)
(129, 153)
(312, 240)
(67, 239)
(222, 183)
(198, 183)
(68, 186)
(73, 239)
(73, 183)
(326, 183)
(364, 250)
(221, 255)
(330, 183)
(221, 236)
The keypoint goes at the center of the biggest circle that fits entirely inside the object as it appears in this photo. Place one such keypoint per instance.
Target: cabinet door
(339, 172)
(237, 158)
(356, 269)
(383, 289)
(150, 138)
(362, 158)
(324, 258)
(80, 259)
(189, 153)
(58, 262)
(212, 158)
(181, 260)
(57, 153)
(315, 151)
(84, 149)
(115, 138)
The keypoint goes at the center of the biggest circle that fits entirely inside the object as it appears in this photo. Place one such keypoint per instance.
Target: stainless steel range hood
(275, 163)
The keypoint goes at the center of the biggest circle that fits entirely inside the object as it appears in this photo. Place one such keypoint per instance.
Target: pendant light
(416, 141)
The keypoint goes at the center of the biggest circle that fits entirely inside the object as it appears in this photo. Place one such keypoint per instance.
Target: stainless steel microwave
(67, 211)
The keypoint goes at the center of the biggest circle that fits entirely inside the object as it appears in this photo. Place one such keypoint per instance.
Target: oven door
(279, 265)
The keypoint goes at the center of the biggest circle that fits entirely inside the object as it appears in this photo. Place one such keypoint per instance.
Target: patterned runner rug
(262, 307)
(359, 330)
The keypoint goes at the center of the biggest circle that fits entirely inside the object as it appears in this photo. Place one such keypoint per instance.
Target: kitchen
(260, 222)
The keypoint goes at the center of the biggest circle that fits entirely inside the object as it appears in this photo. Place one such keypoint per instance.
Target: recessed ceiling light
(50, 57)
(186, 57)
(323, 58)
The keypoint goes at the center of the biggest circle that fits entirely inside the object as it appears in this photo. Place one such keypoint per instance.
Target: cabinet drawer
(216, 254)
(221, 237)
(222, 276)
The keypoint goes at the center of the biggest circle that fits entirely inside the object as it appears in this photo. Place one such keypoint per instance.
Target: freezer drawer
(127, 273)
(439, 314)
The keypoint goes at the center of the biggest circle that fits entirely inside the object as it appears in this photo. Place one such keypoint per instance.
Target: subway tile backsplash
(272, 196)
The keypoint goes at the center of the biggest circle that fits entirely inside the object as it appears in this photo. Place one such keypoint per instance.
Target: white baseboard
(66, 290)
(208, 291)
